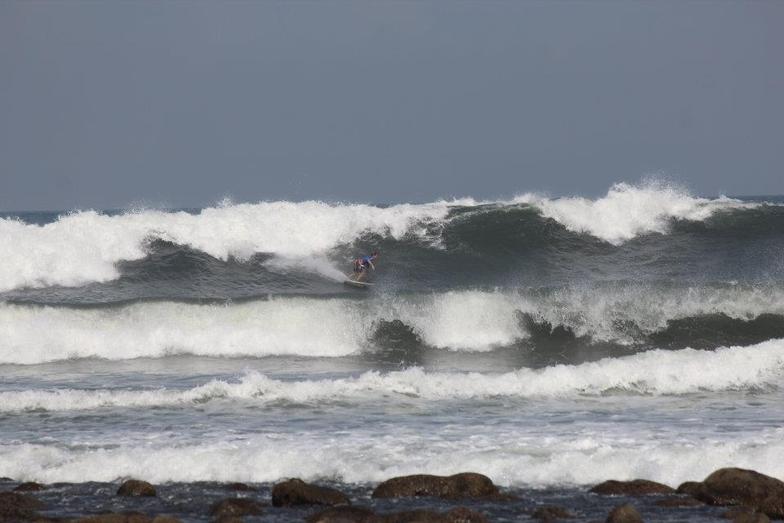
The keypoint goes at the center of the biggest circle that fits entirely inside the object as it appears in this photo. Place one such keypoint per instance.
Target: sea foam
(86, 246)
(270, 327)
(473, 321)
(629, 210)
(507, 455)
(653, 372)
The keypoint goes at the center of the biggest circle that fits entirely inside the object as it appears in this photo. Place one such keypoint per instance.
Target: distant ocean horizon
(549, 343)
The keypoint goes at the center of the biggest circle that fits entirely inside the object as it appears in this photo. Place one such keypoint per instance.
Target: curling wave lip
(84, 247)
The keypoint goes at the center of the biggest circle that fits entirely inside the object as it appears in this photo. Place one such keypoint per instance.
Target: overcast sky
(180, 103)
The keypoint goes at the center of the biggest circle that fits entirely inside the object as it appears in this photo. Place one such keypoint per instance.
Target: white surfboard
(351, 282)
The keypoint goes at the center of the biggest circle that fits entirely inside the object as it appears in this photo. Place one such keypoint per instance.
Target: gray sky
(106, 104)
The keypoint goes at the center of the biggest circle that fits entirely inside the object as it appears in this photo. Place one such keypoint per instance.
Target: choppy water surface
(548, 343)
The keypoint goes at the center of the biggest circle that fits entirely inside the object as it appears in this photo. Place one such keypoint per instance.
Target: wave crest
(652, 372)
(629, 210)
(635, 316)
(84, 247)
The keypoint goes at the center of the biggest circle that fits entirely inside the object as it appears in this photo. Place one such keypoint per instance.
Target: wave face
(541, 341)
(540, 327)
(247, 250)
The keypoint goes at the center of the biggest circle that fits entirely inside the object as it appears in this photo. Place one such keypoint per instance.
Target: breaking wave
(318, 238)
(653, 372)
(628, 211)
(632, 317)
(509, 458)
(83, 247)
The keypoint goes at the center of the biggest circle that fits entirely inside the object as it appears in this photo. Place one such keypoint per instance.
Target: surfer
(362, 264)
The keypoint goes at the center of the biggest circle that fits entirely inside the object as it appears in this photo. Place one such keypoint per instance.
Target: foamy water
(549, 442)
(628, 211)
(463, 321)
(654, 372)
(89, 244)
(544, 342)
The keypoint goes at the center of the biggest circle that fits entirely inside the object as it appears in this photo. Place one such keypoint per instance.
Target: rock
(343, 514)
(465, 515)
(464, 485)
(694, 489)
(635, 487)
(734, 486)
(236, 507)
(745, 515)
(115, 517)
(456, 515)
(413, 516)
(29, 486)
(239, 487)
(18, 507)
(135, 487)
(679, 502)
(165, 519)
(753, 517)
(347, 514)
(297, 492)
(551, 513)
(229, 519)
(624, 514)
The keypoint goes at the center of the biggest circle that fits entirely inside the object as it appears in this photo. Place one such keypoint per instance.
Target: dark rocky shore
(730, 494)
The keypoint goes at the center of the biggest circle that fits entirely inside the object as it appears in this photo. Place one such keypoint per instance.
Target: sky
(184, 103)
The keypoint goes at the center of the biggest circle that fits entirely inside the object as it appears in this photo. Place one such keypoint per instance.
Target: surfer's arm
(371, 265)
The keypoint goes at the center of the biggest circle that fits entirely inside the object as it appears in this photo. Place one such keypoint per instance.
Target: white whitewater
(85, 246)
(471, 321)
(654, 372)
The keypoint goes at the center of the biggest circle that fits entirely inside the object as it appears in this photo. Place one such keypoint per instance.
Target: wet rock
(551, 513)
(734, 486)
(347, 514)
(116, 517)
(464, 485)
(745, 515)
(297, 492)
(232, 507)
(624, 514)
(344, 514)
(635, 487)
(465, 515)
(694, 489)
(756, 517)
(413, 516)
(239, 487)
(29, 486)
(135, 487)
(18, 507)
(679, 502)
(165, 519)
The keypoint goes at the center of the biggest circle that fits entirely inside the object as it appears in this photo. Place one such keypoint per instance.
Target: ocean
(548, 343)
